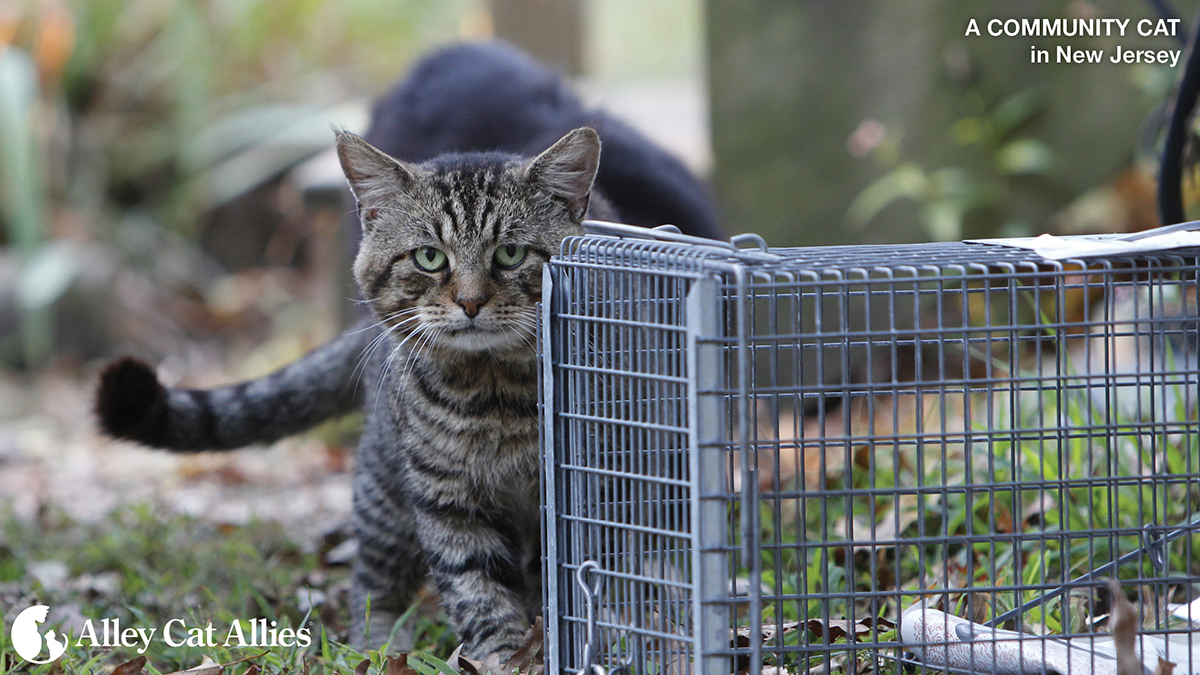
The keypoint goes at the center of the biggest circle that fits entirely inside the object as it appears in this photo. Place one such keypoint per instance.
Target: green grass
(146, 569)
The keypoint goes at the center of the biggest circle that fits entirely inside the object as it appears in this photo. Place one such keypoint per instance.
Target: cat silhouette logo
(27, 640)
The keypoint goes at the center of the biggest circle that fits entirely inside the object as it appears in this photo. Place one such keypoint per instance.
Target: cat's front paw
(528, 659)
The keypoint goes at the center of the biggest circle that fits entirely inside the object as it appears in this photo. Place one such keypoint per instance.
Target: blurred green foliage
(130, 86)
(24, 204)
(112, 110)
(947, 194)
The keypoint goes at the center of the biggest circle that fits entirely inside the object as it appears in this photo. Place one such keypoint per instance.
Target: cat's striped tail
(131, 403)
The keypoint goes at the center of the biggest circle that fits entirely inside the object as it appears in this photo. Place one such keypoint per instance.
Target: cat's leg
(476, 564)
(389, 569)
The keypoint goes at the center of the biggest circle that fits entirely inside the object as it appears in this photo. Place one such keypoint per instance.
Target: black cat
(493, 97)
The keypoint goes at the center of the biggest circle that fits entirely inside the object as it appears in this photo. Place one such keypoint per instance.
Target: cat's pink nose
(471, 305)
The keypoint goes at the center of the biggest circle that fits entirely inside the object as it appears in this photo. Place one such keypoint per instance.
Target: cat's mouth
(482, 333)
(490, 330)
(476, 338)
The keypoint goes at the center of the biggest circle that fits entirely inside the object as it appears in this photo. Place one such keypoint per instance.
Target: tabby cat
(445, 479)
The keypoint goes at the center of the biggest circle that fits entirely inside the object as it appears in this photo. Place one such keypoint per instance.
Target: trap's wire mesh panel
(835, 458)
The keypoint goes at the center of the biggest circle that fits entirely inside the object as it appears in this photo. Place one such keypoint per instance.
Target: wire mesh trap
(851, 459)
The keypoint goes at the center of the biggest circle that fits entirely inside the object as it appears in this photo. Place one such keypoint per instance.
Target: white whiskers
(410, 315)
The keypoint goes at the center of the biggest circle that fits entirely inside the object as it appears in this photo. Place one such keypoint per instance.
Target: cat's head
(452, 249)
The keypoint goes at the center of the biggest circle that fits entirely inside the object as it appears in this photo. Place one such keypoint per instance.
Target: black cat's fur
(493, 97)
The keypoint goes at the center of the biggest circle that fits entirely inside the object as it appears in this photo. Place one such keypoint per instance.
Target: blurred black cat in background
(493, 97)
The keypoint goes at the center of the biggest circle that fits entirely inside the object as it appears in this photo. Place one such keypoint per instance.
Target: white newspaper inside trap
(1051, 247)
(948, 642)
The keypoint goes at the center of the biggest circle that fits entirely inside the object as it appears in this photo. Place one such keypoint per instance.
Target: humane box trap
(851, 459)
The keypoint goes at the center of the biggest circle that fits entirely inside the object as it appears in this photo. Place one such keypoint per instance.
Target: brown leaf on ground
(207, 667)
(398, 665)
(254, 669)
(1123, 626)
(465, 665)
(490, 665)
(529, 659)
(361, 668)
(891, 525)
(133, 667)
(741, 638)
(835, 628)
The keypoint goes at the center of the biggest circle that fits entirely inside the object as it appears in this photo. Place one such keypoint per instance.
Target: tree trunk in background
(550, 30)
(791, 81)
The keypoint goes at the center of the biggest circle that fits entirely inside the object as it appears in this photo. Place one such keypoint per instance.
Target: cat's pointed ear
(377, 180)
(568, 168)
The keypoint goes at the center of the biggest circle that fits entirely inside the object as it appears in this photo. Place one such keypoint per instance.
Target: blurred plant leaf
(243, 151)
(943, 219)
(1024, 156)
(1013, 111)
(968, 130)
(19, 165)
(23, 207)
(949, 181)
(46, 275)
(905, 181)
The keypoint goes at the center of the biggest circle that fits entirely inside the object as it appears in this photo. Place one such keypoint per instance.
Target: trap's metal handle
(671, 233)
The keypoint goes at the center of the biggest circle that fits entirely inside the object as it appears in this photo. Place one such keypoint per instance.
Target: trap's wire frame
(760, 458)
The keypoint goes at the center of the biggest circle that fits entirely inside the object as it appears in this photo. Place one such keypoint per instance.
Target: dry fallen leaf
(465, 666)
(891, 525)
(398, 665)
(133, 667)
(207, 667)
(529, 658)
(361, 668)
(1123, 626)
(741, 638)
(835, 628)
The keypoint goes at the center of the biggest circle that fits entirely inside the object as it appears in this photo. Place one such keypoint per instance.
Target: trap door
(623, 480)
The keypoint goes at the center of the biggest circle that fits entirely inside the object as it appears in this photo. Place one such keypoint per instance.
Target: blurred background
(167, 187)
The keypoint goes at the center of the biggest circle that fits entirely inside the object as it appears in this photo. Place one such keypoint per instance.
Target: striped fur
(445, 479)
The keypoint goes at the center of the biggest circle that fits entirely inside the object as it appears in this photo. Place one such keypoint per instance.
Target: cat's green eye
(510, 255)
(429, 258)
